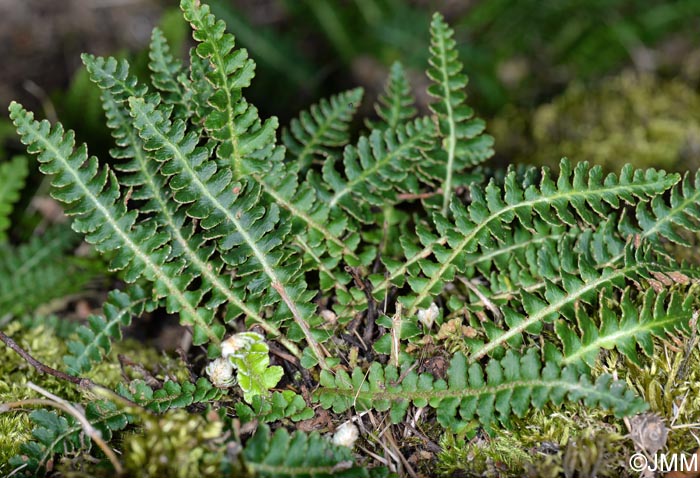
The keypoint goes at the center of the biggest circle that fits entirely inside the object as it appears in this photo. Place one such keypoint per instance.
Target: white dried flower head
(220, 373)
(238, 342)
(428, 316)
(346, 435)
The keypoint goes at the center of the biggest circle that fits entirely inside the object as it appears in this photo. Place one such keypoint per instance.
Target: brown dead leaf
(322, 420)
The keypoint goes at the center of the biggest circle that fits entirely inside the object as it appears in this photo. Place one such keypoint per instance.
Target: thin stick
(396, 336)
(85, 383)
(318, 351)
(485, 300)
(57, 402)
(81, 382)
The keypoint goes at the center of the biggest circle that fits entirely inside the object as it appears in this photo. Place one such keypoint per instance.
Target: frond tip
(464, 143)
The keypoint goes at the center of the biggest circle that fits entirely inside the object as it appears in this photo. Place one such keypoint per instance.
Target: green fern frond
(55, 433)
(285, 455)
(285, 404)
(321, 231)
(580, 285)
(12, 177)
(148, 185)
(202, 89)
(34, 273)
(94, 198)
(512, 385)
(397, 104)
(248, 234)
(233, 121)
(582, 194)
(95, 340)
(376, 169)
(463, 141)
(168, 76)
(660, 314)
(171, 395)
(681, 212)
(324, 126)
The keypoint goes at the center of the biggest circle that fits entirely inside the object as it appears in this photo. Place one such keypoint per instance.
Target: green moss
(625, 119)
(670, 382)
(487, 456)
(176, 444)
(40, 338)
(592, 454)
(15, 372)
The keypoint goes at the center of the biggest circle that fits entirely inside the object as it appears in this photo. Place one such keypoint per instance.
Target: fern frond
(248, 234)
(202, 89)
(149, 185)
(463, 141)
(233, 121)
(168, 76)
(93, 197)
(660, 314)
(320, 230)
(376, 169)
(55, 433)
(285, 455)
(509, 263)
(397, 104)
(12, 177)
(171, 395)
(682, 212)
(34, 273)
(95, 340)
(512, 385)
(582, 284)
(325, 125)
(582, 194)
(285, 404)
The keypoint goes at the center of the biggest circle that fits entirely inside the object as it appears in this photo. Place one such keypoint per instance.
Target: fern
(280, 405)
(34, 273)
(207, 215)
(95, 339)
(233, 121)
(660, 314)
(582, 192)
(377, 169)
(511, 386)
(149, 186)
(324, 126)
(286, 455)
(12, 177)
(463, 143)
(396, 105)
(55, 433)
(168, 76)
(682, 212)
(219, 204)
(93, 197)
(172, 395)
